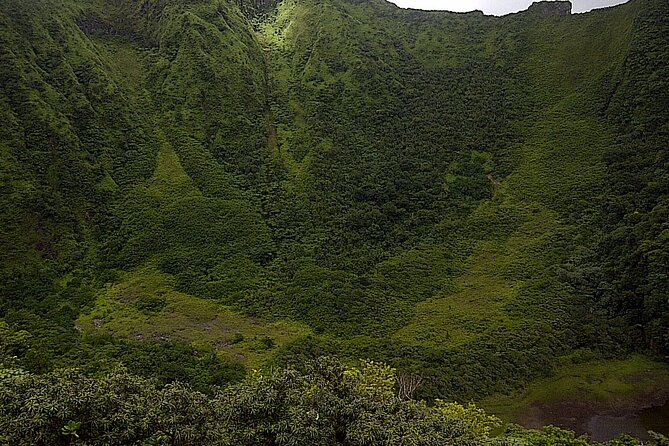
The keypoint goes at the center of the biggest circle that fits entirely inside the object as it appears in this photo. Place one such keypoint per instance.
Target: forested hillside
(197, 188)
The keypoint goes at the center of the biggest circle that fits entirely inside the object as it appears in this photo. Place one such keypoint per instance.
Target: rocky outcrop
(551, 8)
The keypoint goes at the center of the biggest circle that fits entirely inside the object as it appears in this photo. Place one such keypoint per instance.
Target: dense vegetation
(191, 189)
(633, 250)
(322, 403)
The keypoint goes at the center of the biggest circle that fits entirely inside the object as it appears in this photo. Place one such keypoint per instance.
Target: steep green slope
(154, 193)
(632, 253)
(505, 205)
(374, 155)
(446, 192)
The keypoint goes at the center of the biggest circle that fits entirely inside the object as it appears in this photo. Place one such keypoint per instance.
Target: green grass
(205, 324)
(169, 181)
(615, 383)
(493, 277)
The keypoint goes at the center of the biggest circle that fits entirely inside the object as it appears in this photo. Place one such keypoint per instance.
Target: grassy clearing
(498, 274)
(610, 383)
(145, 305)
(170, 181)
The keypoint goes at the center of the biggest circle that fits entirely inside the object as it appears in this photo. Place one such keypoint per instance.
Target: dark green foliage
(317, 406)
(321, 404)
(634, 251)
(49, 347)
(150, 304)
(503, 362)
(465, 197)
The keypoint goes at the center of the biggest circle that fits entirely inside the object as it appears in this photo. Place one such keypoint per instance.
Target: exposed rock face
(551, 8)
